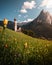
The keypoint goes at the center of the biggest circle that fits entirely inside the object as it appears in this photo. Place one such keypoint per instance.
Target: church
(16, 28)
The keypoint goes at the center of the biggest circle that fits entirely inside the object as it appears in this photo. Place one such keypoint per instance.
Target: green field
(13, 50)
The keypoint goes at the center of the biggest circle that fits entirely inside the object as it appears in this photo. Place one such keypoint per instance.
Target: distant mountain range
(40, 27)
(11, 24)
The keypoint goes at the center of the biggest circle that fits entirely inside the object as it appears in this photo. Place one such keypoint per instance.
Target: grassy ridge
(14, 52)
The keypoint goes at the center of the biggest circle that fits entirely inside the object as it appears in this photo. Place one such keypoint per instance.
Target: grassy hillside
(17, 48)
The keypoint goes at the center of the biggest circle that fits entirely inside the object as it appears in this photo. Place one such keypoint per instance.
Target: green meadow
(17, 48)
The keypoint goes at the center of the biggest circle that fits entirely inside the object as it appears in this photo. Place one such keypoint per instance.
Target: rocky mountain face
(44, 17)
(41, 26)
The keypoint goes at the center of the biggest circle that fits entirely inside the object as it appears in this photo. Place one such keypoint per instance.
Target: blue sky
(23, 10)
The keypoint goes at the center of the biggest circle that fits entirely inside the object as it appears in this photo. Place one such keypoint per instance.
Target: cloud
(25, 21)
(23, 11)
(43, 3)
(46, 3)
(28, 5)
(28, 20)
(19, 15)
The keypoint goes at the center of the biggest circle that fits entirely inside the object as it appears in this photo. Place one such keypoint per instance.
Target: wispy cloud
(28, 20)
(19, 15)
(28, 5)
(46, 3)
(23, 11)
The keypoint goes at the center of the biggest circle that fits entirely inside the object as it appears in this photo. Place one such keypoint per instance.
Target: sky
(23, 10)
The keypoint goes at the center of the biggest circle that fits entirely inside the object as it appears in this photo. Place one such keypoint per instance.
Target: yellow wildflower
(5, 22)
(26, 45)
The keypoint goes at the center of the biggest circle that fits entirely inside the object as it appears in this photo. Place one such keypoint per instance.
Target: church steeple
(15, 25)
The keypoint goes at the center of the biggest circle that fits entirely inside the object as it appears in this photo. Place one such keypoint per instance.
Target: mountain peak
(45, 17)
(42, 11)
(45, 12)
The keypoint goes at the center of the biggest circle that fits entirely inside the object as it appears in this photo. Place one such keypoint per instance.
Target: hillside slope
(17, 48)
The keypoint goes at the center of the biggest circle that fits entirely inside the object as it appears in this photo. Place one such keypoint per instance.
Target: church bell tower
(15, 25)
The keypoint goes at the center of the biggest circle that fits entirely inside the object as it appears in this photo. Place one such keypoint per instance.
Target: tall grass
(14, 52)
